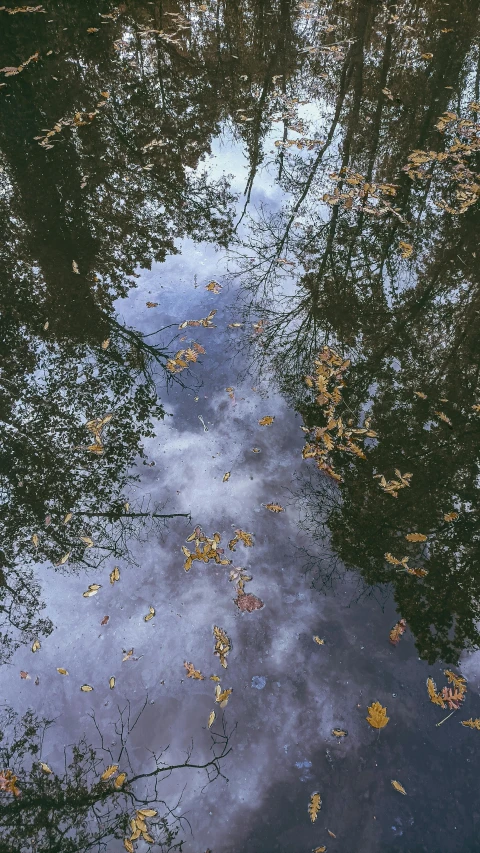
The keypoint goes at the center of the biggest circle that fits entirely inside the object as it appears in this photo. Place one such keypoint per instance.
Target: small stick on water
(446, 718)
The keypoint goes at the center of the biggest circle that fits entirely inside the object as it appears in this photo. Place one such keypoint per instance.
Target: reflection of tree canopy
(374, 252)
(91, 799)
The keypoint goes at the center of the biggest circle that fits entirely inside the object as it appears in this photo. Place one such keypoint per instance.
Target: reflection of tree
(72, 808)
(327, 267)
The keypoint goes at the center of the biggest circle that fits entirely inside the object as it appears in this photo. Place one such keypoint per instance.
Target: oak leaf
(192, 672)
(267, 420)
(472, 724)
(377, 716)
(314, 806)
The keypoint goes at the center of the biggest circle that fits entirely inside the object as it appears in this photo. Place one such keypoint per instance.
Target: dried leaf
(109, 771)
(75, 267)
(62, 671)
(151, 304)
(214, 678)
(318, 640)
(406, 249)
(127, 655)
(443, 417)
(111, 682)
(266, 421)
(150, 614)
(211, 719)
(222, 645)
(36, 645)
(450, 516)
(339, 733)
(87, 540)
(213, 287)
(106, 343)
(226, 476)
(222, 697)
(147, 812)
(320, 850)
(192, 672)
(472, 724)
(377, 716)
(314, 806)
(415, 537)
(86, 688)
(274, 507)
(433, 695)
(247, 602)
(67, 518)
(331, 834)
(104, 620)
(115, 575)
(45, 767)
(399, 787)
(397, 631)
(119, 781)
(24, 674)
(35, 540)
(421, 395)
(128, 845)
(63, 559)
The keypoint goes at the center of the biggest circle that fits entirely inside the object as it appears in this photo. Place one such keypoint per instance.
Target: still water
(240, 420)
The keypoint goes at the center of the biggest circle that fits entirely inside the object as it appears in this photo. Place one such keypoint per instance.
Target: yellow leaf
(127, 655)
(140, 823)
(450, 516)
(399, 787)
(211, 718)
(147, 812)
(192, 672)
(432, 692)
(318, 640)
(427, 55)
(314, 806)
(106, 343)
(109, 771)
(87, 540)
(92, 590)
(150, 614)
(68, 518)
(266, 421)
(35, 540)
(115, 574)
(421, 395)
(222, 697)
(36, 645)
(406, 249)
(45, 767)
(213, 287)
(128, 845)
(339, 733)
(120, 780)
(331, 834)
(471, 724)
(63, 559)
(62, 671)
(148, 838)
(274, 507)
(111, 682)
(377, 716)
(86, 688)
(226, 476)
(75, 267)
(415, 537)
(214, 678)
(319, 850)
(443, 417)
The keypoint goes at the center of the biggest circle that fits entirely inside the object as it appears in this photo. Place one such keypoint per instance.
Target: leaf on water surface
(399, 787)
(111, 682)
(406, 249)
(421, 395)
(45, 767)
(247, 602)
(147, 812)
(151, 304)
(62, 671)
(92, 30)
(192, 672)
(320, 850)
(256, 450)
(397, 631)
(24, 674)
(104, 620)
(115, 575)
(472, 724)
(433, 695)
(222, 696)
(86, 688)
(127, 655)
(106, 343)
(377, 716)
(213, 287)
(36, 645)
(119, 781)
(274, 507)
(67, 518)
(339, 733)
(416, 537)
(427, 55)
(211, 719)
(214, 678)
(35, 540)
(241, 536)
(393, 560)
(314, 806)
(226, 476)
(267, 420)
(331, 834)
(75, 267)
(88, 542)
(419, 573)
(450, 516)
(222, 645)
(149, 615)
(63, 560)
(235, 325)
(317, 640)
(128, 845)
(108, 772)
(92, 590)
(443, 417)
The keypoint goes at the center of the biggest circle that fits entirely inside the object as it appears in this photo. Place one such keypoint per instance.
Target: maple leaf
(314, 806)
(192, 672)
(471, 724)
(377, 716)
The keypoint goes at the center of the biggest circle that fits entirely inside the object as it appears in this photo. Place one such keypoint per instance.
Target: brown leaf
(267, 420)
(104, 620)
(24, 674)
(151, 304)
(246, 602)
(415, 537)
(192, 672)
(450, 516)
(377, 716)
(397, 631)
(399, 787)
(274, 507)
(314, 806)
(472, 724)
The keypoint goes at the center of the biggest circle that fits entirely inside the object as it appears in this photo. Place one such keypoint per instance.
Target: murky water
(239, 311)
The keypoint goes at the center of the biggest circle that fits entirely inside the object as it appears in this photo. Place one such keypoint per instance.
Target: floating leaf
(214, 678)
(62, 671)
(377, 716)
(397, 631)
(213, 287)
(266, 421)
(247, 602)
(222, 696)
(92, 590)
(433, 695)
(115, 574)
(106, 343)
(111, 682)
(147, 812)
(399, 787)
(35, 540)
(127, 655)
(443, 417)
(319, 850)
(68, 518)
(75, 267)
(421, 395)
(108, 772)
(241, 536)
(331, 834)
(128, 845)
(192, 672)
(405, 248)
(274, 507)
(339, 733)
(36, 645)
(45, 767)
(450, 516)
(318, 640)
(416, 537)
(104, 620)
(24, 674)
(226, 476)
(63, 559)
(119, 781)
(222, 645)
(151, 304)
(472, 724)
(87, 540)
(86, 688)
(314, 806)
(150, 614)
(211, 719)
